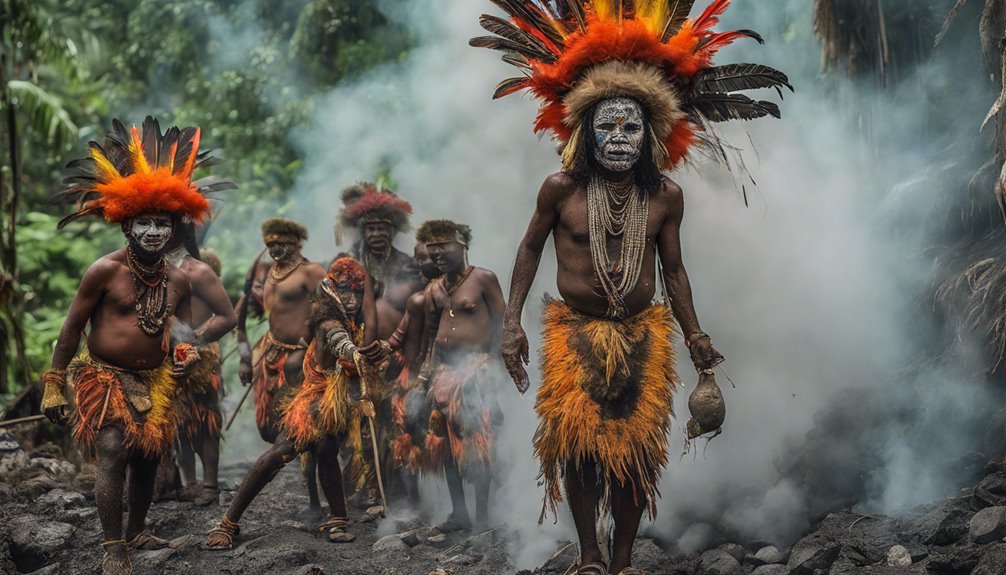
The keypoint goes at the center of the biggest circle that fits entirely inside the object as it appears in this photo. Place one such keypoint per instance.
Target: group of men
(382, 366)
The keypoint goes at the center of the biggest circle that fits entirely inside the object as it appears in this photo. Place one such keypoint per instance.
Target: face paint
(426, 265)
(618, 134)
(377, 236)
(280, 250)
(151, 231)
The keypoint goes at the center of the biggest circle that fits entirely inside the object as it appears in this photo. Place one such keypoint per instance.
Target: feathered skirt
(461, 418)
(139, 403)
(605, 398)
(269, 378)
(200, 396)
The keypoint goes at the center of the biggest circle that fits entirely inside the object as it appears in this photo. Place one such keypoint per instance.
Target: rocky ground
(48, 525)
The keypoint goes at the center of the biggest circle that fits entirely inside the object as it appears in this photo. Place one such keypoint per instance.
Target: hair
(209, 257)
(648, 175)
(284, 227)
(437, 229)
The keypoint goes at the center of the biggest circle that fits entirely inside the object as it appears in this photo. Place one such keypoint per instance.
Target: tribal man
(465, 308)
(627, 87)
(411, 342)
(124, 382)
(326, 411)
(379, 215)
(213, 316)
(277, 369)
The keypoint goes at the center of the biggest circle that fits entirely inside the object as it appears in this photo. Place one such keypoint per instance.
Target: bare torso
(288, 303)
(115, 336)
(468, 323)
(391, 299)
(577, 283)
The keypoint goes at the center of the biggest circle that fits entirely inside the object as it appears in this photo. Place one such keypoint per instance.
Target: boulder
(736, 551)
(389, 543)
(993, 560)
(899, 556)
(60, 500)
(767, 555)
(35, 541)
(774, 569)
(151, 561)
(648, 556)
(988, 525)
(309, 570)
(811, 553)
(951, 528)
(954, 562)
(719, 562)
(991, 491)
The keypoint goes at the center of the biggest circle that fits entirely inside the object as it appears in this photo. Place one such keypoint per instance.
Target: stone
(991, 491)
(811, 553)
(957, 560)
(773, 569)
(389, 543)
(646, 555)
(47, 570)
(410, 538)
(719, 562)
(988, 525)
(37, 485)
(993, 560)
(951, 528)
(225, 497)
(309, 570)
(768, 555)
(59, 499)
(56, 468)
(736, 551)
(151, 561)
(899, 556)
(35, 541)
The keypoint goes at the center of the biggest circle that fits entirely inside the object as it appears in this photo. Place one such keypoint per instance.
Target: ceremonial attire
(269, 378)
(461, 418)
(199, 398)
(605, 396)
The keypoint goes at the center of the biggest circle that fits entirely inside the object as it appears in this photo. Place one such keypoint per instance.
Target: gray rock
(811, 553)
(774, 569)
(151, 561)
(952, 527)
(225, 497)
(899, 556)
(309, 570)
(768, 555)
(35, 541)
(389, 543)
(736, 551)
(59, 499)
(647, 555)
(56, 468)
(561, 559)
(410, 538)
(993, 561)
(8, 442)
(956, 560)
(719, 562)
(12, 462)
(988, 525)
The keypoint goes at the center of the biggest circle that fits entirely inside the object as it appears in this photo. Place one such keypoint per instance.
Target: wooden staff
(28, 419)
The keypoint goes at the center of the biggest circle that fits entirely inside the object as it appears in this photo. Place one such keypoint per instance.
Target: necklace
(275, 276)
(617, 209)
(151, 284)
(450, 291)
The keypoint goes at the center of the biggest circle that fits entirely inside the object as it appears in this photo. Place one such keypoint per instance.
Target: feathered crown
(365, 202)
(136, 172)
(434, 231)
(283, 230)
(347, 272)
(574, 53)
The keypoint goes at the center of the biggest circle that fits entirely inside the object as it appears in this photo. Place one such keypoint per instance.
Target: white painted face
(151, 231)
(618, 134)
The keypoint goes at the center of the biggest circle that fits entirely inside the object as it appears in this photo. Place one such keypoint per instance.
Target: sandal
(221, 537)
(632, 571)
(336, 527)
(588, 569)
(207, 494)
(114, 566)
(146, 542)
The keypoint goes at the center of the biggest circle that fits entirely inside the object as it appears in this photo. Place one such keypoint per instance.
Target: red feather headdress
(347, 272)
(574, 53)
(365, 202)
(141, 171)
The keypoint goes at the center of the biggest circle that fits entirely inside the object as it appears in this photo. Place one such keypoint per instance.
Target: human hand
(704, 355)
(245, 371)
(56, 414)
(185, 358)
(514, 348)
(375, 351)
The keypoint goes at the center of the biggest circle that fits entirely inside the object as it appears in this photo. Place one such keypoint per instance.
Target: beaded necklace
(617, 209)
(151, 284)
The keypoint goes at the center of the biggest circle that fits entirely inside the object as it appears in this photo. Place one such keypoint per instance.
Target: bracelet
(697, 336)
(54, 377)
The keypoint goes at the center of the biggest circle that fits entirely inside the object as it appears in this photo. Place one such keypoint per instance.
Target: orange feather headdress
(141, 171)
(365, 202)
(575, 53)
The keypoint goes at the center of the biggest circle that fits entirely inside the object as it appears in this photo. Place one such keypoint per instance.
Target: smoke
(795, 277)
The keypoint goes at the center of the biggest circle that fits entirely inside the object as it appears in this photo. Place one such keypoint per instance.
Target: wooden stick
(238, 408)
(20, 420)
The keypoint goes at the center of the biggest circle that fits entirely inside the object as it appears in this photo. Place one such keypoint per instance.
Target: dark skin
(214, 316)
(106, 300)
(283, 451)
(470, 322)
(561, 211)
(391, 297)
(287, 303)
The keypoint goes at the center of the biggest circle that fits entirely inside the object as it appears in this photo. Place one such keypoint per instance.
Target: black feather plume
(738, 77)
(504, 29)
(679, 13)
(725, 107)
(497, 43)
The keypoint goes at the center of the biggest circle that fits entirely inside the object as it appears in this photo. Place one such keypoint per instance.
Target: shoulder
(179, 278)
(198, 271)
(416, 301)
(315, 270)
(484, 275)
(106, 267)
(670, 196)
(556, 188)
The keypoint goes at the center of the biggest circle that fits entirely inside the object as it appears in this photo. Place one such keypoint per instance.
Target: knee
(109, 447)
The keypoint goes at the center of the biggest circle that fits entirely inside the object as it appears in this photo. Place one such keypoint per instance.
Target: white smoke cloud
(796, 289)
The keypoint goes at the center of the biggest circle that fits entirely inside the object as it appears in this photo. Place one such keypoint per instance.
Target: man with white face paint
(125, 380)
(627, 88)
